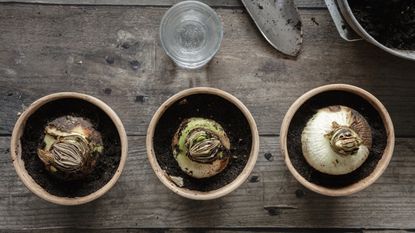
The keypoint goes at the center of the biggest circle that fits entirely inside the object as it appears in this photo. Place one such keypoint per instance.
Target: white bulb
(352, 147)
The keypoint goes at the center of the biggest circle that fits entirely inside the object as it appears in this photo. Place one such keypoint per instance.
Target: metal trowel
(279, 22)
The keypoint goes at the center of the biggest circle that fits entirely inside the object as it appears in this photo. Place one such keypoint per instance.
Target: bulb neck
(203, 145)
(70, 153)
(344, 140)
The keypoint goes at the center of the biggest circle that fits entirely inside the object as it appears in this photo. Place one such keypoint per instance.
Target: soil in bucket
(391, 23)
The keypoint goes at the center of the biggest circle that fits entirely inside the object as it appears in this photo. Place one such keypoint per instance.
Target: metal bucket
(346, 23)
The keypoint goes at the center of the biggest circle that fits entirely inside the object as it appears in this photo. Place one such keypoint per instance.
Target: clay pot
(336, 94)
(16, 146)
(182, 98)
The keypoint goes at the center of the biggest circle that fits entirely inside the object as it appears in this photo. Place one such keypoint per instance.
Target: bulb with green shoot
(70, 148)
(336, 140)
(201, 147)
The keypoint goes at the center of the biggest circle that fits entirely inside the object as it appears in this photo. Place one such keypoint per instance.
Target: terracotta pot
(193, 194)
(382, 163)
(16, 148)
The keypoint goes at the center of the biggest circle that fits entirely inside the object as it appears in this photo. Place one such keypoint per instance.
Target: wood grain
(270, 198)
(204, 230)
(46, 49)
(93, 49)
(213, 3)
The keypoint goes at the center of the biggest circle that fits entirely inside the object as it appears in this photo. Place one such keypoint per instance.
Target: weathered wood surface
(46, 49)
(204, 230)
(213, 3)
(271, 199)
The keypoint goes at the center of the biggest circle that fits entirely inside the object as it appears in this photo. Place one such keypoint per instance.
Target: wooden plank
(204, 230)
(139, 200)
(213, 3)
(190, 230)
(197, 230)
(46, 49)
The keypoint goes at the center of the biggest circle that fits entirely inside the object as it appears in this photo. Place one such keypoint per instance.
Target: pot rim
(18, 163)
(193, 194)
(381, 165)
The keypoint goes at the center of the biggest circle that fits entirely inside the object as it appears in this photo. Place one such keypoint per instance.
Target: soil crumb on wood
(107, 162)
(212, 107)
(392, 22)
(307, 110)
(313, 19)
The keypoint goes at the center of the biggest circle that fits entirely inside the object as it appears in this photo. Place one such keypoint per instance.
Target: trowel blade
(279, 22)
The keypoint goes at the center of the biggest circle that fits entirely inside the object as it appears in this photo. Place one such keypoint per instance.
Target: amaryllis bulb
(336, 140)
(201, 147)
(70, 148)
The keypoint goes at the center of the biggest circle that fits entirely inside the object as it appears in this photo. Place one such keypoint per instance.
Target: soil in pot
(389, 22)
(307, 110)
(107, 162)
(211, 107)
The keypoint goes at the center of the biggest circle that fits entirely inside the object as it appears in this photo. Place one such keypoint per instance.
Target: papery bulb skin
(336, 140)
(70, 148)
(201, 147)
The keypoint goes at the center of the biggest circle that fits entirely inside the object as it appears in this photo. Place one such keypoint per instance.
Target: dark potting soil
(307, 110)
(391, 22)
(212, 107)
(33, 136)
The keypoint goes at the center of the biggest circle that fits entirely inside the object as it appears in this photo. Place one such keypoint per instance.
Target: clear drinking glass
(191, 33)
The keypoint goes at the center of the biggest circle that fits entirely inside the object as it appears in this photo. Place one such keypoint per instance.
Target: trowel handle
(345, 31)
